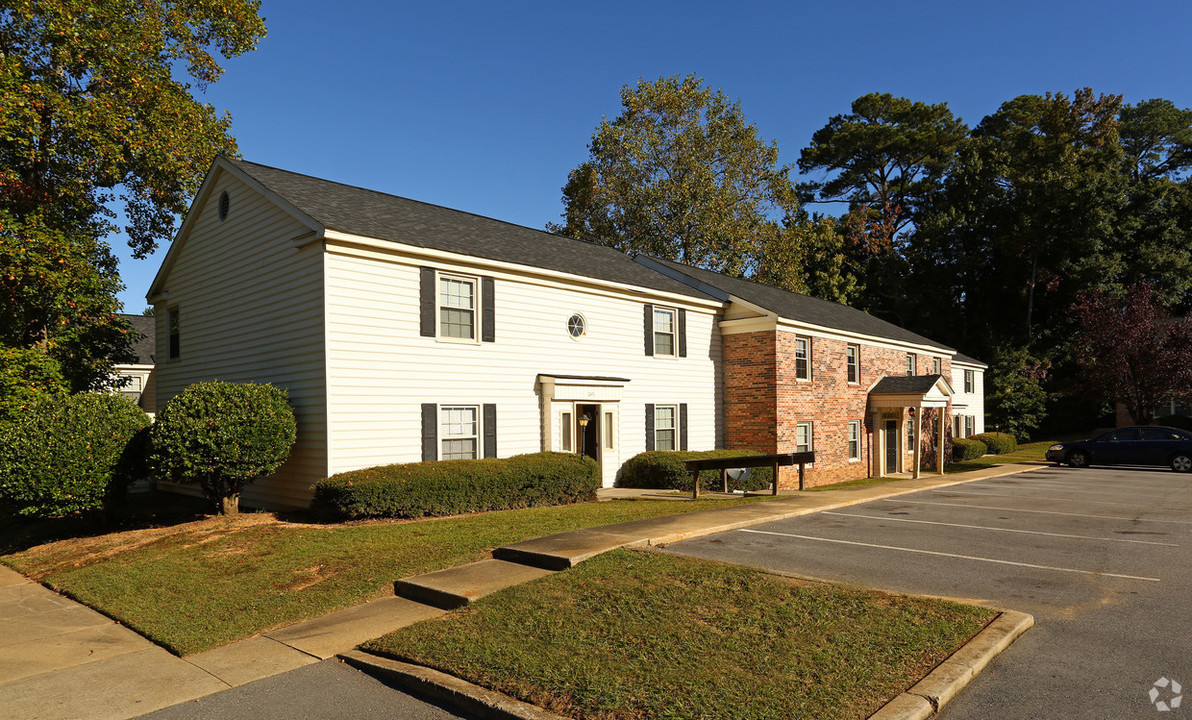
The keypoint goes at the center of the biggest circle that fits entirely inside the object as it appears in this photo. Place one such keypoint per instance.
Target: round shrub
(999, 443)
(665, 470)
(453, 487)
(223, 436)
(967, 449)
(62, 455)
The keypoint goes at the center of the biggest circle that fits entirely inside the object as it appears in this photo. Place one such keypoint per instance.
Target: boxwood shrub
(453, 487)
(69, 454)
(998, 443)
(967, 449)
(664, 469)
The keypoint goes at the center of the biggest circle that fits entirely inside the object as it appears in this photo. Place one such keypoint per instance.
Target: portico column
(939, 442)
(918, 437)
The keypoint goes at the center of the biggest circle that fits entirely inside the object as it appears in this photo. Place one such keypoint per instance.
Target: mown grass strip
(1025, 453)
(636, 636)
(207, 583)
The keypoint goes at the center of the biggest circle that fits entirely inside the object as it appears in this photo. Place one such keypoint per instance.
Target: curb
(447, 689)
(925, 698)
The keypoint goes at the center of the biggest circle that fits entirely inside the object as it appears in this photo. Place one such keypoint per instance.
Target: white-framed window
(958, 426)
(969, 381)
(174, 332)
(664, 332)
(457, 304)
(804, 436)
(565, 430)
(853, 361)
(802, 358)
(970, 425)
(910, 363)
(459, 432)
(666, 423)
(910, 435)
(936, 366)
(610, 434)
(854, 439)
(577, 326)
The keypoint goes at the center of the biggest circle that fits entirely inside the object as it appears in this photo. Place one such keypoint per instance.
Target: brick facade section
(764, 401)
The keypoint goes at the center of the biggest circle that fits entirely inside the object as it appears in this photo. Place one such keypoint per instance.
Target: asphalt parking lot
(1098, 556)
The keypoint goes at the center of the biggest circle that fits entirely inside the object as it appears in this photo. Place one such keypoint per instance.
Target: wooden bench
(724, 464)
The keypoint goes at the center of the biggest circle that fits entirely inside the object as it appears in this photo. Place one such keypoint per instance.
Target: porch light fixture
(912, 412)
(583, 435)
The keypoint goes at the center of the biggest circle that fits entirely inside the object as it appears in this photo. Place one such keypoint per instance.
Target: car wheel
(1078, 459)
(1182, 463)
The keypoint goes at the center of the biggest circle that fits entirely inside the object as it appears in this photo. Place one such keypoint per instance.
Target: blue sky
(486, 106)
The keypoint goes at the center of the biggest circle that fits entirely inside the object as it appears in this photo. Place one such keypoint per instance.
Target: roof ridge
(766, 286)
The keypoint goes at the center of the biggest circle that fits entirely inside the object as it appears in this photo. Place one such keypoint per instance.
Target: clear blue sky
(486, 106)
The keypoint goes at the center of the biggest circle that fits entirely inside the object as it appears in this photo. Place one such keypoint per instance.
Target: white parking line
(1039, 497)
(1042, 512)
(952, 555)
(1044, 485)
(994, 529)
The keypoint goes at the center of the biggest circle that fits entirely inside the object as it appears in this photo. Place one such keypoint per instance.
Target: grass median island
(198, 585)
(643, 635)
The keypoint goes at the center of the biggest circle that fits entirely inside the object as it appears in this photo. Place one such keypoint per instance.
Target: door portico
(895, 402)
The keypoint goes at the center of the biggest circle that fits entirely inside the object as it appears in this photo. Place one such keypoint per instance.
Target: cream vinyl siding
(380, 370)
(969, 403)
(251, 309)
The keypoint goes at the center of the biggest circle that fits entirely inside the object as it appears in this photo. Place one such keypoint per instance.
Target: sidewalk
(60, 659)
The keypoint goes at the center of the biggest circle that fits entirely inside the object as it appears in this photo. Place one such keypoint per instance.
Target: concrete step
(458, 586)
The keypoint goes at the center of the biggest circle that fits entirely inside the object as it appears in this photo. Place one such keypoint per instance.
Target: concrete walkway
(60, 659)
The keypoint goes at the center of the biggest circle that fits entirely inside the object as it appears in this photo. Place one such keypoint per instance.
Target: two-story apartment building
(406, 331)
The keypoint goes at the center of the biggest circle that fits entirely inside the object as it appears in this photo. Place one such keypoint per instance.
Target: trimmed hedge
(63, 455)
(1183, 422)
(967, 449)
(664, 470)
(223, 435)
(998, 443)
(453, 487)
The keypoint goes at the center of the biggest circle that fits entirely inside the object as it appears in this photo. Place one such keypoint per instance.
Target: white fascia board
(969, 365)
(220, 165)
(347, 243)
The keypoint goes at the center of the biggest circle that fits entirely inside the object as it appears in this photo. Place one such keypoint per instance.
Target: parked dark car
(1148, 445)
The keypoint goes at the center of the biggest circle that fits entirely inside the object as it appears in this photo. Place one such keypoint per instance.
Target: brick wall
(765, 401)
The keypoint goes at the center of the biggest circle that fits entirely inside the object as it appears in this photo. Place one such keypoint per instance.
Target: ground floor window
(665, 424)
(854, 439)
(910, 435)
(970, 425)
(459, 432)
(803, 436)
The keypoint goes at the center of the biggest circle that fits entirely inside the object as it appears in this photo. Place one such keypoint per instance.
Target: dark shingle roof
(803, 308)
(905, 384)
(374, 214)
(961, 357)
(146, 346)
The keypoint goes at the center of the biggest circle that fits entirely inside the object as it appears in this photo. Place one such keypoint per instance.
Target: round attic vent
(223, 205)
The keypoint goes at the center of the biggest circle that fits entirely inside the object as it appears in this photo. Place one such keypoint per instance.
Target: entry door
(892, 437)
(588, 433)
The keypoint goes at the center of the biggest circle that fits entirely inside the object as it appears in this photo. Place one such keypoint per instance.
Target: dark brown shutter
(682, 332)
(488, 313)
(430, 432)
(649, 426)
(649, 329)
(490, 431)
(683, 427)
(426, 302)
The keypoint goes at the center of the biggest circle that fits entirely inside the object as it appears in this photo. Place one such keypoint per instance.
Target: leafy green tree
(1015, 395)
(808, 256)
(1130, 350)
(97, 114)
(222, 436)
(678, 174)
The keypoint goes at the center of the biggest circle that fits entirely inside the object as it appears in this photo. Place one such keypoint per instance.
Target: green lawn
(202, 584)
(640, 635)
(1024, 453)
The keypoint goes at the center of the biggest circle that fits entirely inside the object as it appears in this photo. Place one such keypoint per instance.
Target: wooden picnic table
(724, 464)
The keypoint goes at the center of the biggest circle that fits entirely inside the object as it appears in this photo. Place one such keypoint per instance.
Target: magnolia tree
(1132, 351)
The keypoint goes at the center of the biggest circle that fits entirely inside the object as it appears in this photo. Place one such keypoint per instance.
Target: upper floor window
(853, 354)
(174, 328)
(910, 363)
(665, 426)
(457, 308)
(936, 366)
(969, 381)
(854, 439)
(664, 332)
(803, 437)
(802, 358)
